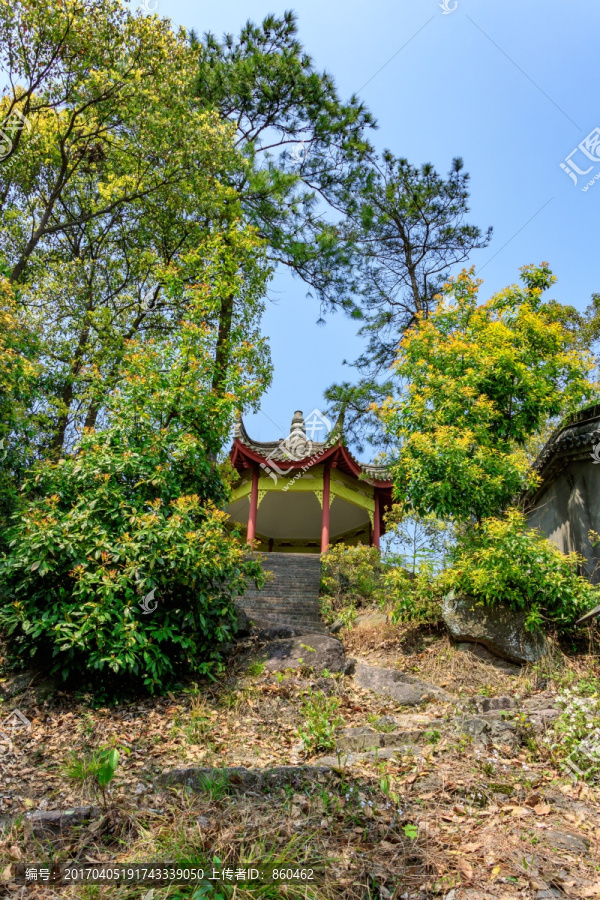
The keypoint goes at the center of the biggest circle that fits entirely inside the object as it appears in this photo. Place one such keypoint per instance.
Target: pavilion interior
(291, 522)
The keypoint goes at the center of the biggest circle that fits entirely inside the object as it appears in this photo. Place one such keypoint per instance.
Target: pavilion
(299, 495)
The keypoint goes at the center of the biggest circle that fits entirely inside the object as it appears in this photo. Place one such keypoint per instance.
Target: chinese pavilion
(299, 495)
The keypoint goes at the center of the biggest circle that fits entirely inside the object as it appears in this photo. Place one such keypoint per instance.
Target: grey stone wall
(567, 508)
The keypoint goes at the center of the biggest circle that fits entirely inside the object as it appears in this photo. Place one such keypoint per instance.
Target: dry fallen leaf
(466, 868)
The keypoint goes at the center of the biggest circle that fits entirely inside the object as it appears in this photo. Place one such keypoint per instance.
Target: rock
(496, 627)
(337, 626)
(348, 758)
(386, 723)
(489, 731)
(244, 625)
(200, 778)
(40, 685)
(15, 684)
(363, 738)
(49, 825)
(405, 689)
(326, 685)
(491, 703)
(563, 840)
(318, 651)
(370, 620)
(279, 632)
(350, 667)
(541, 711)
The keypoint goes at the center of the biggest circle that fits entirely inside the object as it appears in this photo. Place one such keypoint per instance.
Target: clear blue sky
(510, 86)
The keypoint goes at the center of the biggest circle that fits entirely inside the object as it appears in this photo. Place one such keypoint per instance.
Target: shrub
(413, 599)
(130, 514)
(502, 561)
(351, 577)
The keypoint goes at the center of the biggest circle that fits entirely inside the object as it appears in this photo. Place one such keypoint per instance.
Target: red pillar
(376, 521)
(325, 518)
(251, 533)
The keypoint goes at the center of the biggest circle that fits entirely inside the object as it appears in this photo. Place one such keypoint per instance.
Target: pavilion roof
(295, 451)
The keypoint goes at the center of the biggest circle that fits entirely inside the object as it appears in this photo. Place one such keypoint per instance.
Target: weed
(320, 720)
(255, 668)
(99, 767)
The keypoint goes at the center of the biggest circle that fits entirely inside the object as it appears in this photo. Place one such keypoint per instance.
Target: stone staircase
(290, 595)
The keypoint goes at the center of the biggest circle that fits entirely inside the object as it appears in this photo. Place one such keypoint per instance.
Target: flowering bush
(500, 560)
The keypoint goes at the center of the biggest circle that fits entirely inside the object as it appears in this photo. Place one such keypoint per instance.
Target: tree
(410, 226)
(135, 511)
(480, 380)
(115, 179)
(304, 148)
(413, 231)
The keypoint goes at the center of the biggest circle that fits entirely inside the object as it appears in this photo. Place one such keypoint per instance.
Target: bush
(351, 577)
(413, 599)
(502, 561)
(131, 513)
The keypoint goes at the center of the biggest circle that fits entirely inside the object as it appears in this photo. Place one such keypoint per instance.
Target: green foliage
(413, 598)
(511, 363)
(133, 511)
(98, 766)
(303, 146)
(87, 547)
(412, 221)
(351, 577)
(320, 721)
(502, 561)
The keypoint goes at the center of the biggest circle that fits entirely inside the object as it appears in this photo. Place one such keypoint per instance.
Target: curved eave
(242, 456)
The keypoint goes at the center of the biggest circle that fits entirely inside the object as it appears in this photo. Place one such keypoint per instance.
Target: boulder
(278, 632)
(318, 651)
(498, 628)
(404, 689)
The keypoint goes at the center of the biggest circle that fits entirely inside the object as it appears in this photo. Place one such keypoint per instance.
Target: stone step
(290, 595)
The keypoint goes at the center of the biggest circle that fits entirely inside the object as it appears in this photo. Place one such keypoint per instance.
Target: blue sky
(510, 86)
